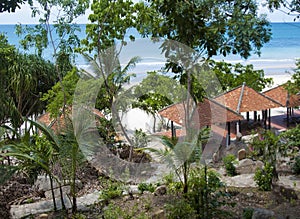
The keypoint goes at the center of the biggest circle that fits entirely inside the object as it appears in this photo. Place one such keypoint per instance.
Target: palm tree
(180, 155)
(36, 154)
(107, 67)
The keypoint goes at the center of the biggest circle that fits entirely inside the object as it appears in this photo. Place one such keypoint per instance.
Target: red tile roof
(246, 99)
(209, 112)
(57, 123)
(280, 94)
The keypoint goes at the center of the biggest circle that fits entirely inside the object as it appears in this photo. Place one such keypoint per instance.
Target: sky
(23, 16)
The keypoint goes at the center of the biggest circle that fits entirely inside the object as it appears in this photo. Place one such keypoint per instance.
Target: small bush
(146, 187)
(247, 213)
(180, 209)
(263, 177)
(296, 165)
(229, 161)
(112, 190)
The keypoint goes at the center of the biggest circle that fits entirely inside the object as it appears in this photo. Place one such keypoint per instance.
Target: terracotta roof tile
(280, 94)
(209, 112)
(56, 123)
(246, 99)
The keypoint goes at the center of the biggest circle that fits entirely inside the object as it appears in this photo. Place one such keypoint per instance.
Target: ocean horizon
(277, 56)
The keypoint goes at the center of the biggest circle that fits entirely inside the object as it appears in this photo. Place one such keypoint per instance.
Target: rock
(260, 213)
(43, 183)
(160, 214)
(65, 190)
(241, 154)
(42, 216)
(161, 190)
(247, 166)
(249, 194)
(215, 157)
(133, 189)
(285, 191)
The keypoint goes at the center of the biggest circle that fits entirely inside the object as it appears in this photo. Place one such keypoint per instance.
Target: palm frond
(46, 131)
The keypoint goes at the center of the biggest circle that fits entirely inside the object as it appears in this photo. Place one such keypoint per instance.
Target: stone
(215, 157)
(247, 166)
(285, 191)
(160, 190)
(241, 154)
(42, 216)
(260, 213)
(65, 190)
(160, 214)
(43, 183)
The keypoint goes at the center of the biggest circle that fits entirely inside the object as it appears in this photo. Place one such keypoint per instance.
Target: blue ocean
(277, 57)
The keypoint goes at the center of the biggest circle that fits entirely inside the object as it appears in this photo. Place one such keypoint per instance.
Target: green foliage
(291, 137)
(266, 147)
(6, 172)
(263, 177)
(229, 161)
(140, 139)
(247, 213)
(115, 212)
(24, 79)
(154, 93)
(110, 21)
(146, 187)
(206, 194)
(222, 27)
(231, 76)
(296, 165)
(57, 97)
(180, 209)
(174, 186)
(12, 5)
(112, 189)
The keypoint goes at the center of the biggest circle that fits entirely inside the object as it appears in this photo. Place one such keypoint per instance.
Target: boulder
(160, 214)
(160, 190)
(285, 191)
(241, 154)
(260, 213)
(247, 166)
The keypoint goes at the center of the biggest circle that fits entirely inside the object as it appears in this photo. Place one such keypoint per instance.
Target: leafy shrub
(229, 161)
(174, 186)
(112, 190)
(115, 212)
(263, 177)
(180, 209)
(146, 187)
(296, 165)
(206, 194)
(247, 213)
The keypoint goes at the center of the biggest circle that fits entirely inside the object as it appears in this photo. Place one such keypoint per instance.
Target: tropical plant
(229, 161)
(24, 79)
(263, 177)
(146, 187)
(296, 165)
(107, 67)
(267, 147)
(206, 194)
(291, 137)
(231, 76)
(35, 155)
(180, 155)
(12, 5)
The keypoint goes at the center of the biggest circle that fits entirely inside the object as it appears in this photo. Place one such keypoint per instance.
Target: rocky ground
(241, 188)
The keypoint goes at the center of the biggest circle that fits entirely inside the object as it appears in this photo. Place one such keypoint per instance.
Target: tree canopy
(12, 5)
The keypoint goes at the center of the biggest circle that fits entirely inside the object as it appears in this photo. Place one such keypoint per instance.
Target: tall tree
(24, 78)
(55, 30)
(12, 5)
(289, 7)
